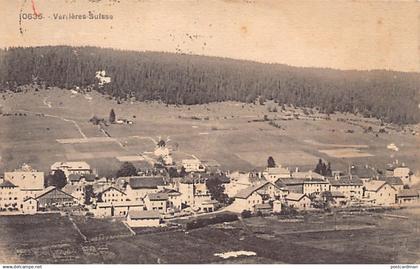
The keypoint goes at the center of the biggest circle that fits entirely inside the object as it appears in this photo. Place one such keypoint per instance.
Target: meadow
(53, 125)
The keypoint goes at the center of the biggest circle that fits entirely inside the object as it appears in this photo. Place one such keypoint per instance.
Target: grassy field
(224, 132)
(318, 238)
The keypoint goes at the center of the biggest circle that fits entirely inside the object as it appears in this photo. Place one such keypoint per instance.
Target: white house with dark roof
(263, 192)
(299, 201)
(117, 209)
(380, 192)
(349, 185)
(157, 202)
(272, 174)
(79, 167)
(408, 196)
(174, 199)
(396, 182)
(112, 194)
(146, 218)
(29, 206)
(138, 187)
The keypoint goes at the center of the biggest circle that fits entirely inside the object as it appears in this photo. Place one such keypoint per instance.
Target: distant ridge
(392, 96)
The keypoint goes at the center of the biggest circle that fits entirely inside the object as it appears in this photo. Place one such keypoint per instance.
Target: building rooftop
(146, 182)
(245, 193)
(158, 196)
(408, 193)
(144, 214)
(293, 196)
(7, 184)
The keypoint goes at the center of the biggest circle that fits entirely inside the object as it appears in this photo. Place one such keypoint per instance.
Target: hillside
(186, 79)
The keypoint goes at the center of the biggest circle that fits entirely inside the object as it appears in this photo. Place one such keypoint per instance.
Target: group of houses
(150, 197)
(361, 186)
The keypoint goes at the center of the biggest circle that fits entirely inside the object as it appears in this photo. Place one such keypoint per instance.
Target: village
(155, 197)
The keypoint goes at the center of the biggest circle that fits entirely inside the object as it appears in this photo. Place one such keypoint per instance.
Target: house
(73, 179)
(306, 175)
(299, 201)
(380, 192)
(10, 197)
(157, 202)
(112, 194)
(351, 186)
(174, 199)
(193, 190)
(407, 196)
(364, 173)
(146, 218)
(29, 206)
(272, 174)
(52, 197)
(263, 192)
(193, 165)
(291, 184)
(396, 182)
(77, 191)
(117, 209)
(399, 170)
(208, 206)
(263, 209)
(138, 187)
(80, 168)
(29, 180)
(339, 198)
(315, 185)
(238, 181)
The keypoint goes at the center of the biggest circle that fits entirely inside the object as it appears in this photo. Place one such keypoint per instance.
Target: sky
(338, 34)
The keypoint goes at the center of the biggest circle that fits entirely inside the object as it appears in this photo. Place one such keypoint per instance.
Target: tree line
(187, 79)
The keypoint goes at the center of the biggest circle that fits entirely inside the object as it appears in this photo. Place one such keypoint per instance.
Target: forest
(189, 79)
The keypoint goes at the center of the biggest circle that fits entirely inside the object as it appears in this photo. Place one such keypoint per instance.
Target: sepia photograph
(281, 132)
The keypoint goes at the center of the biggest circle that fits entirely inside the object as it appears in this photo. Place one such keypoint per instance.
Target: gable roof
(393, 180)
(157, 196)
(245, 193)
(112, 187)
(50, 189)
(74, 177)
(146, 182)
(144, 214)
(293, 196)
(89, 177)
(408, 193)
(307, 175)
(375, 185)
(171, 192)
(348, 180)
(363, 171)
(7, 184)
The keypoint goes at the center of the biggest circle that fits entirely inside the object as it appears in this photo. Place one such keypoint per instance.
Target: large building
(193, 165)
(78, 168)
(54, 198)
(138, 187)
(351, 186)
(380, 192)
(10, 197)
(29, 180)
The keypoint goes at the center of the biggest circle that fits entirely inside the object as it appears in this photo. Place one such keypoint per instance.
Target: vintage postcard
(209, 132)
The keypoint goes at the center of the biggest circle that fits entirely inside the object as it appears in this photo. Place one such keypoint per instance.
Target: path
(77, 229)
(58, 117)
